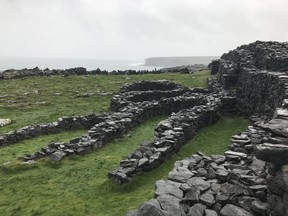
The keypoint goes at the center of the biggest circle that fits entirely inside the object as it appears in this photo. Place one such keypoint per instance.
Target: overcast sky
(136, 29)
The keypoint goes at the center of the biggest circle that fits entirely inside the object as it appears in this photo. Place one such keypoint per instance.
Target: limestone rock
(4, 122)
(229, 210)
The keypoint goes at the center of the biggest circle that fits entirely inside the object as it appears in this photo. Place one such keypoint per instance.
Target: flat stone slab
(276, 126)
(198, 183)
(273, 153)
(4, 122)
(281, 113)
(238, 154)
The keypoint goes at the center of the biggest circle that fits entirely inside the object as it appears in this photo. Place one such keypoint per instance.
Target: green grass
(79, 186)
(45, 99)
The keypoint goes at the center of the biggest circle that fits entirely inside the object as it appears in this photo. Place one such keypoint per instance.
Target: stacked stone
(274, 150)
(15, 74)
(126, 117)
(169, 137)
(229, 184)
(63, 124)
(242, 68)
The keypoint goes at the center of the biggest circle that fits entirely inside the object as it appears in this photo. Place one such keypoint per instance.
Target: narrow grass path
(79, 185)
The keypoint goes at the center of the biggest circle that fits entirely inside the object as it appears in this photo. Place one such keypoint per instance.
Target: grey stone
(233, 153)
(168, 187)
(218, 158)
(259, 207)
(198, 183)
(273, 153)
(192, 195)
(143, 161)
(276, 126)
(233, 210)
(58, 155)
(209, 212)
(180, 174)
(207, 199)
(171, 204)
(197, 210)
(151, 207)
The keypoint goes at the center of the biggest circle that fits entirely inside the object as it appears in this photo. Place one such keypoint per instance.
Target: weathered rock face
(244, 67)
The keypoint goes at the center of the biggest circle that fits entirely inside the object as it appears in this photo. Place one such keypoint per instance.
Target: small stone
(233, 210)
(58, 155)
(259, 207)
(151, 207)
(168, 187)
(197, 210)
(4, 122)
(207, 199)
(192, 195)
(198, 183)
(143, 161)
(209, 212)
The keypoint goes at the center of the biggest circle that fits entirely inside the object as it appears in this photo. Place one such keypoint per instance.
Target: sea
(89, 64)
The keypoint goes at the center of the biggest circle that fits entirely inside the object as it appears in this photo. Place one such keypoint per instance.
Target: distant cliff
(178, 61)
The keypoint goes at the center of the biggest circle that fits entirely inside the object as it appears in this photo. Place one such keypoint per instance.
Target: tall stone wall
(259, 93)
(258, 75)
(254, 73)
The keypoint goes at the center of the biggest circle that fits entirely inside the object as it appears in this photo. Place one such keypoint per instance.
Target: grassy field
(45, 99)
(79, 185)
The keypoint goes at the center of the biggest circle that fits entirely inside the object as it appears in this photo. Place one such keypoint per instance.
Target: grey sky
(136, 29)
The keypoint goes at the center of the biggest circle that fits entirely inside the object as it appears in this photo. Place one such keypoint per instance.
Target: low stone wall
(63, 124)
(229, 184)
(16, 74)
(124, 118)
(169, 137)
(149, 86)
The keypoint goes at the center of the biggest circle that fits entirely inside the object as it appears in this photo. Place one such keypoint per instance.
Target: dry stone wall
(63, 124)
(128, 113)
(251, 178)
(15, 74)
(170, 135)
(229, 184)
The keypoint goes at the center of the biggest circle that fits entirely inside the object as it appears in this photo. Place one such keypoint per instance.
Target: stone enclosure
(251, 178)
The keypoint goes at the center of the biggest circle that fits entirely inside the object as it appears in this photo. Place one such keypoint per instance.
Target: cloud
(136, 29)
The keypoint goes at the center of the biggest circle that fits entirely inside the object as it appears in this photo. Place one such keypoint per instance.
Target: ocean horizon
(90, 64)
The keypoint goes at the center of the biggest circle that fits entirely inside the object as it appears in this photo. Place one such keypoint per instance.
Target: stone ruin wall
(251, 178)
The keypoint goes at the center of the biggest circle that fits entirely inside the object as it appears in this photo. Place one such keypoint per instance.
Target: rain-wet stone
(209, 212)
(207, 199)
(171, 204)
(197, 210)
(233, 210)
(58, 155)
(259, 207)
(151, 207)
(198, 183)
(180, 174)
(168, 187)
